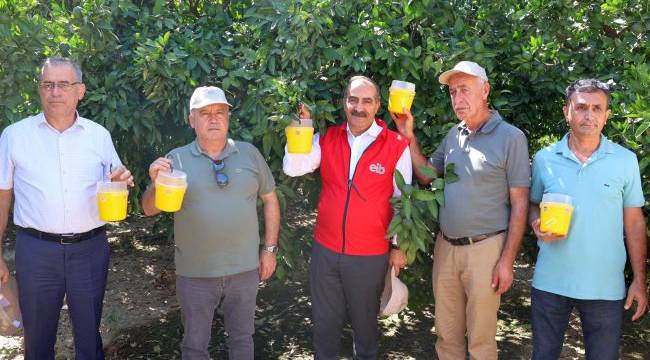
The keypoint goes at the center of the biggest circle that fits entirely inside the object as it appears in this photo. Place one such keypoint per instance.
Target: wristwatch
(270, 248)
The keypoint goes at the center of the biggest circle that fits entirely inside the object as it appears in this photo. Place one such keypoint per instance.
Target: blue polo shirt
(589, 263)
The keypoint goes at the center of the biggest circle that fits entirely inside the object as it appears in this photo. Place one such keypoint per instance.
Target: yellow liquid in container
(299, 139)
(399, 99)
(169, 197)
(112, 205)
(555, 217)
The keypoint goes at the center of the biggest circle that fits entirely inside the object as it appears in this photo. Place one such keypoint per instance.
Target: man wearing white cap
(484, 217)
(218, 257)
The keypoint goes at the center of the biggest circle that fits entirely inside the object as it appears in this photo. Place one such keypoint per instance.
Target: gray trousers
(200, 297)
(345, 285)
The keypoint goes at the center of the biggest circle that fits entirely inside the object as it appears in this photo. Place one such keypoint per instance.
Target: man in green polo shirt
(585, 268)
(218, 258)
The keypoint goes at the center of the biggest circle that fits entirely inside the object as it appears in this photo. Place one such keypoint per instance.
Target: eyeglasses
(219, 175)
(62, 85)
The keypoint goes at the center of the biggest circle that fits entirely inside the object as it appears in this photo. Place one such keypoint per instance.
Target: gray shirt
(216, 231)
(488, 162)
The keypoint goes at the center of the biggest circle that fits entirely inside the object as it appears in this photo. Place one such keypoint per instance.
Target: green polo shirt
(216, 231)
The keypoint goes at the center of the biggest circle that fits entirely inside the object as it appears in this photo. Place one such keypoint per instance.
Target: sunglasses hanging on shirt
(219, 175)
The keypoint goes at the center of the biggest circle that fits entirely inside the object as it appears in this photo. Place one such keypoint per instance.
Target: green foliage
(143, 58)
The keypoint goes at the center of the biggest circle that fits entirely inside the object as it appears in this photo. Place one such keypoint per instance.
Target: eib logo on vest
(377, 168)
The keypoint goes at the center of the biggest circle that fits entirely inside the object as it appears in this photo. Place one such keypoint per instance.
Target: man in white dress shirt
(350, 256)
(51, 163)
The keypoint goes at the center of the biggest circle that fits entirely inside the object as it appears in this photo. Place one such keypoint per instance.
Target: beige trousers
(465, 302)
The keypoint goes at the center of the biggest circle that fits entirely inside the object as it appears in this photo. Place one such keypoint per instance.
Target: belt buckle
(471, 241)
(62, 240)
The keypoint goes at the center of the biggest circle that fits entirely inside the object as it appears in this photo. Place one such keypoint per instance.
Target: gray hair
(588, 86)
(365, 78)
(58, 61)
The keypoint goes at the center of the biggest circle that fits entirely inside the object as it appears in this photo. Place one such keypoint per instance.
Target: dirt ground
(141, 318)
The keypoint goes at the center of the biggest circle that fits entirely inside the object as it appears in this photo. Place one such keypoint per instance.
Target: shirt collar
(374, 130)
(79, 122)
(231, 147)
(605, 147)
(489, 126)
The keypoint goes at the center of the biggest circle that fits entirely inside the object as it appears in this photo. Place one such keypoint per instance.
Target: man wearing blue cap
(218, 257)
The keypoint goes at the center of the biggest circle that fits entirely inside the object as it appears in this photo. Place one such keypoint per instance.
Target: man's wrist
(273, 249)
(507, 259)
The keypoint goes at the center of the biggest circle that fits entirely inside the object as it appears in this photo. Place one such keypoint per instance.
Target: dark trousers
(601, 325)
(200, 297)
(345, 285)
(46, 272)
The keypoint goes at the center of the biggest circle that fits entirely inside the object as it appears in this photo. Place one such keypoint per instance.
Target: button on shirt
(301, 164)
(589, 263)
(54, 174)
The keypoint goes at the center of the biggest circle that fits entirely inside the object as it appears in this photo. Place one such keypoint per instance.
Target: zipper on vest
(347, 198)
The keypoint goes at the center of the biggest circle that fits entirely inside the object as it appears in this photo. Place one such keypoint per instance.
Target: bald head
(359, 80)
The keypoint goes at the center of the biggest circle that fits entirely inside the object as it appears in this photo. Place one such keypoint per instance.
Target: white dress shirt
(301, 164)
(54, 174)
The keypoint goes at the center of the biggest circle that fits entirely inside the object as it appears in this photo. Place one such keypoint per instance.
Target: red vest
(353, 216)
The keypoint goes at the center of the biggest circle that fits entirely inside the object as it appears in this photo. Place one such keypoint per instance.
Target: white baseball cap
(207, 95)
(395, 296)
(465, 67)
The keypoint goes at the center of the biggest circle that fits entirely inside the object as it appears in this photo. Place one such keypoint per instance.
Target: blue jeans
(47, 271)
(601, 325)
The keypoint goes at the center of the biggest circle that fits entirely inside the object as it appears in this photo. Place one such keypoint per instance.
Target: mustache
(359, 113)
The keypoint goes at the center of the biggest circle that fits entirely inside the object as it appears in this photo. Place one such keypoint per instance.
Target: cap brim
(444, 77)
(395, 295)
(206, 103)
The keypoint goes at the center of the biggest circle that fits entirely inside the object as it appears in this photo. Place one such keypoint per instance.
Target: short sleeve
(517, 161)
(6, 161)
(437, 159)
(537, 185)
(264, 174)
(632, 191)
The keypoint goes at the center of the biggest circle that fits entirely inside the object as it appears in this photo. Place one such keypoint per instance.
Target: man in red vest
(350, 253)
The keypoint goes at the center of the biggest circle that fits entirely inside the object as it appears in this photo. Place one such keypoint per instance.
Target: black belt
(471, 239)
(65, 239)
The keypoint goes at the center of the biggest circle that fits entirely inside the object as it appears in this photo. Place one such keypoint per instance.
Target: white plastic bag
(10, 318)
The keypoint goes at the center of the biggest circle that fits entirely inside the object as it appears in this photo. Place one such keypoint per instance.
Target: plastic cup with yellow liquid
(170, 190)
(112, 200)
(400, 96)
(300, 135)
(556, 210)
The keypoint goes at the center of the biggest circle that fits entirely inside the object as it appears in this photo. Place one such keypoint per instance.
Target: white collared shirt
(301, 164)
(54, 174)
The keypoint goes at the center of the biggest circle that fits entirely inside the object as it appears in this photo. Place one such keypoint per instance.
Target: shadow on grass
(283, 330)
